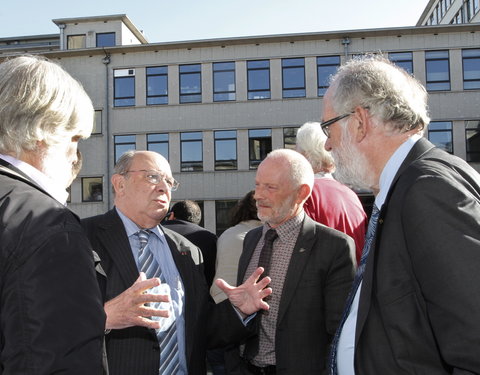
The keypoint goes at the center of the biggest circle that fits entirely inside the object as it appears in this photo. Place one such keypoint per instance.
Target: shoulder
(182, 244)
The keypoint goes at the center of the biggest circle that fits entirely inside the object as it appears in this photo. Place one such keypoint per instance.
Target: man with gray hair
(414, 305)
(311, 267)
(331, 202)
(52, 318)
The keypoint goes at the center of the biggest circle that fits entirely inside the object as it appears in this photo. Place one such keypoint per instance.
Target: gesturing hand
(248, 297)
(128, 309)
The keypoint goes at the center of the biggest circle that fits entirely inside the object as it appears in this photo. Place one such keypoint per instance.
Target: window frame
(263, 149)
(223, 164)
(399, 61)
(153, 142)
(123, 143)
(323, 85)
(148, 79)
(190, 97)
(254, 94)
(291, 92)
(91, 200)
(474, 57)
(471, 156)
(446, 130)
(430, 83)
(230, 94)
(120, 75)
(105, 34)
(191, 165)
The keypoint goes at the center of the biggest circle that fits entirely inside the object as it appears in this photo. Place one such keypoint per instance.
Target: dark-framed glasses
(326, 124)
(155, 177)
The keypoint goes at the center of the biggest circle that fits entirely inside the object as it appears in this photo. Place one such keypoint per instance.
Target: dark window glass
(259, 145)
(326, 67)
(123, 143)
(157, 85)
(191, 151)
(76, 41)
(471, 69)
(290, 137)
(223, 81)
(124, 87)
(190, 83)
(106, 40)
(223, 212)
(225, 149)
(158, 143)
(440, 134)
(472, 134)
(293, 78)
(402, 59)
(92, 189)
(438, 72)
(258, 79)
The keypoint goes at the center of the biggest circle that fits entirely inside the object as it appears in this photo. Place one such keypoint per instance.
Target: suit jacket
(317, 283)
(52, 318)
(419, 306)
(135, 350)
(200, 237)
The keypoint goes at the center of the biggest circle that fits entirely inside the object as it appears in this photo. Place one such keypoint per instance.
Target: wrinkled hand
(128, 309)
(248, 297)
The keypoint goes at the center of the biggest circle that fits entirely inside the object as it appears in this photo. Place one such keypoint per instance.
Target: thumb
(223, 285)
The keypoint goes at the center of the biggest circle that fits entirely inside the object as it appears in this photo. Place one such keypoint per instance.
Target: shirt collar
(289, 228)
(42, 180)
(392, 167)
(131, 228)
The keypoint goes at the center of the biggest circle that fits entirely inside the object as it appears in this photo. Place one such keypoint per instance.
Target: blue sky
(164, 21)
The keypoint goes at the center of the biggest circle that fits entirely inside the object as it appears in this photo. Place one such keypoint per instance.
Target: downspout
(62, 27)
(106, 62)
(346, 42)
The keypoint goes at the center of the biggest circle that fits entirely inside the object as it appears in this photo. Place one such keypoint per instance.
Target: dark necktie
(169, 359)
(267, 249)
(369, 237)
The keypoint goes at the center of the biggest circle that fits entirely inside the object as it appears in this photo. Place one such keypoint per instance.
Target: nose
(328, 144)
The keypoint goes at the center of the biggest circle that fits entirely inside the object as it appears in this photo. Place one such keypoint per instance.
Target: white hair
(311, 144)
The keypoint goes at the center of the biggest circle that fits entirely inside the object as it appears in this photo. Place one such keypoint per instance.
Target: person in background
(230, 243)
(311, 267)
(184, 218)
(52, 317)
(414, 305)
(130, 242)
(331, 202)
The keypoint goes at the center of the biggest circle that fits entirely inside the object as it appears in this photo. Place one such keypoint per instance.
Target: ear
(118, 183)
(363, 121)
(303, 193)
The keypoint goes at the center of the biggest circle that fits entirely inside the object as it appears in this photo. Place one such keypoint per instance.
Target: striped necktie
(369, 237)
(167, 339)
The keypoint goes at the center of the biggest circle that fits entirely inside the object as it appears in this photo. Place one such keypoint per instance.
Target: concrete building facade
(214, 108)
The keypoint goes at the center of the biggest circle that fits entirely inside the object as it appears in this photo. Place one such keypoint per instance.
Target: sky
(180, 20)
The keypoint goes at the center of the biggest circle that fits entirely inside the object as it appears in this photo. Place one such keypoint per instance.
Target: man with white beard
(414, 304)
(311, 270)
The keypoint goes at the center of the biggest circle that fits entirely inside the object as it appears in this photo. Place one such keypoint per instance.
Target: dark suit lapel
(298, 261)
(418, 151)
(249, 244)
(113, 237)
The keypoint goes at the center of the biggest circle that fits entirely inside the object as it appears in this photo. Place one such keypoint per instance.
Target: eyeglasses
(326, 124)
(155, 177)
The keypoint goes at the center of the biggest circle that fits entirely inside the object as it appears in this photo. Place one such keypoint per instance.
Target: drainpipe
(106, 62)
(346, 42)
(62, 27)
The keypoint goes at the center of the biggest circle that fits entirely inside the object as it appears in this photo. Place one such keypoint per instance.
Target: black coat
(52, 318)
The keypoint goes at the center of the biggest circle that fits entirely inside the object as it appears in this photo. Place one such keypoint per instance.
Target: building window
(471, 69)
(190, 83)
(472, 134)
(438, 72)
(293, 78)
(326, 67)
(92, 189)
(223, 81)
(76, 41)
(191, 152)
(157, 85)
(290, 137)
(223, 215)
(105, 39)
(123, 143)
(440, 134)
(97, 122)
(259, 145)
(476, 6)
(124, 87)
(402, 59)
(258, 79)
(225, 149)
(158, 143)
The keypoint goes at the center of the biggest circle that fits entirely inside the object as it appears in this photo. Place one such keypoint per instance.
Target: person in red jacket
(331, 202)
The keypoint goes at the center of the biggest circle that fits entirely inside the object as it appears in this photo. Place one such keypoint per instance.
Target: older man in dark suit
(415, 303)
(311, 267)
(130, 242)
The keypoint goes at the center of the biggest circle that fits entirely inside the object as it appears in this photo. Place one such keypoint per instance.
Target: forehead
(271, 171)
(150, 161)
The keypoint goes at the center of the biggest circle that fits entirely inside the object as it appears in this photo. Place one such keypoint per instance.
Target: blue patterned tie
(169, 357)
(369, 237)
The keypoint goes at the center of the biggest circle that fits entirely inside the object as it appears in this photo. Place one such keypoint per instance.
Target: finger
(255, 276)
(264, 282)
(141, 286)
(145, 322)
(141, 277)
(265, 293)
(148, 297)
(223, 285)
(150, 311)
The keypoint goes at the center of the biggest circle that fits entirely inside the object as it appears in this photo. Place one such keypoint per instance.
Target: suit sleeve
(441, 226)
